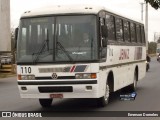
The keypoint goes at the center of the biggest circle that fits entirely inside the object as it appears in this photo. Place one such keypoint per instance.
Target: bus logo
(54, 76)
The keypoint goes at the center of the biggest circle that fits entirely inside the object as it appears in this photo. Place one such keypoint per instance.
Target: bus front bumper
(59, 89)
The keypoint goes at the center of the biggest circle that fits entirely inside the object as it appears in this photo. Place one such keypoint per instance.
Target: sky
(130, 8)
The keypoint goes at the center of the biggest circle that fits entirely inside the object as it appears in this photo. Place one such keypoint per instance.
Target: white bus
(78, 52)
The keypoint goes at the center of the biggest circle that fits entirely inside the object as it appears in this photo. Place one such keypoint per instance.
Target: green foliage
(158, 41)
(152, 46)
(154, 3)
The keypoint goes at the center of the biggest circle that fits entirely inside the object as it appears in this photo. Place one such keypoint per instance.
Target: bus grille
(55, 89)
(50, 78)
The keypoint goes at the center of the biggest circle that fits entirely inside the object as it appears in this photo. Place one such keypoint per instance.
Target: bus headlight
(31, 77)
(26, 77)
(86, 76)
(79, 76)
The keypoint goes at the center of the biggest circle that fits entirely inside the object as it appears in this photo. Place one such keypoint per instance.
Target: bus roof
(71, 9)
(64, 9)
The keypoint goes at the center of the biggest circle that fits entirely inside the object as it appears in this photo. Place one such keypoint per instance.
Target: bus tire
(45, 102)
(103, 101)
(134, 84)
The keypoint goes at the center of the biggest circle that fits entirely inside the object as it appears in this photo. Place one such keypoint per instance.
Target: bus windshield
(58, 39)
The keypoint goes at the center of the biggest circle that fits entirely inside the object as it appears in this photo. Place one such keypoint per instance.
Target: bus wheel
(45, 102)
(103, 101)
(134, 85)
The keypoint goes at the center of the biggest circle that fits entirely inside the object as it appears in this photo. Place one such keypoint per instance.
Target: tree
(152, 46)
(154, 3)
(13, 49)
(158, 41)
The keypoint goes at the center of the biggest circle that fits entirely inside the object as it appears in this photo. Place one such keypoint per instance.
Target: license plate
(56, 95)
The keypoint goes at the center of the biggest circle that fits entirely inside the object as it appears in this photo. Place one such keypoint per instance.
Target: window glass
(35, 39)
(119, 30)
(126, 30)
(111, 27)
(76, 40)
(69, 38)
(23, 38)
(143, 35)
(138, 33)
(133, 32)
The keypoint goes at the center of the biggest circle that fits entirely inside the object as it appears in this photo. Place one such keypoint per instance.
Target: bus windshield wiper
(64, 50)
(41, 50)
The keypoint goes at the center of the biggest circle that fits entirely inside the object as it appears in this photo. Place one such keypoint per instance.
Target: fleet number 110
(26, 69)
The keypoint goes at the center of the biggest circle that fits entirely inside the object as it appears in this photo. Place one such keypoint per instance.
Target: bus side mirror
(104, 31)
(16, 36)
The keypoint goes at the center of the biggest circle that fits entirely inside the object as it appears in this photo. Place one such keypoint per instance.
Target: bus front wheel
(45, 102)
(103, 101)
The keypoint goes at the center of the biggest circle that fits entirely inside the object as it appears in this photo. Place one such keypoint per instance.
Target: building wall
(5, 36)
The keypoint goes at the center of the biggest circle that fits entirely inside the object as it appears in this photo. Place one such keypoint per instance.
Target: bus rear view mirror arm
(16, 37)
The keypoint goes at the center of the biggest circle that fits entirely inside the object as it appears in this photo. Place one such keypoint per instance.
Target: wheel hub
(106, 96)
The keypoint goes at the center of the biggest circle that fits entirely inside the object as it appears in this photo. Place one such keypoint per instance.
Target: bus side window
(119, 30)
(133, 32)
(143, 35)
(111, 27)
(138, 33)
(126, 31)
